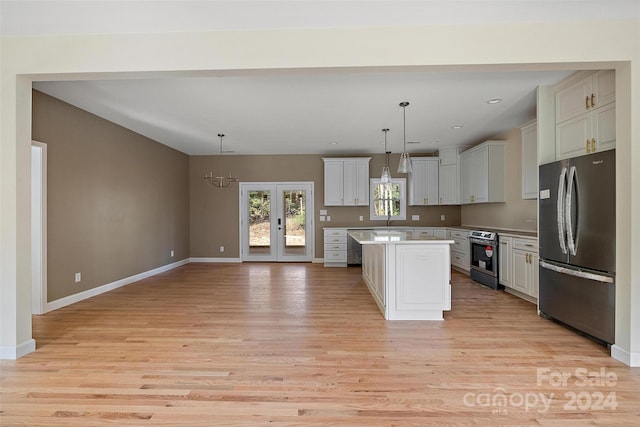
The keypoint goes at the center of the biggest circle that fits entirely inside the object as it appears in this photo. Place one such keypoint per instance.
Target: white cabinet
(448, 176)
(591, 91)
(529, 141)
(335, 247)
(587, 133)
(423, 181)
(585, 114)
(346, 181)
(460, 249)
(518, 263)
(482, 173)
(374, 272)
(504, 260)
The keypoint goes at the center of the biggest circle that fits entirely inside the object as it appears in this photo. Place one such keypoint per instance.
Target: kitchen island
(407, 274)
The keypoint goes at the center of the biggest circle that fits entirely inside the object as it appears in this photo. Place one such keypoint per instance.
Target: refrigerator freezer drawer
(585, 304)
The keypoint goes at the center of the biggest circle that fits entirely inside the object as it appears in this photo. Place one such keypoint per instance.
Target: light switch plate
(323, 211)
(322, 218)
(415, 217)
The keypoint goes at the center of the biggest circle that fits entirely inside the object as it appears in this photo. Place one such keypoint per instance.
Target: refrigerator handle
(567, 211)
(560, 206)
(576, 273)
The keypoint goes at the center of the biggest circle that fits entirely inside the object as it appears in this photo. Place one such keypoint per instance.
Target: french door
(277, 221)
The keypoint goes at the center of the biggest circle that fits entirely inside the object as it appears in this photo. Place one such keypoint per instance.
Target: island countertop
(365, 237)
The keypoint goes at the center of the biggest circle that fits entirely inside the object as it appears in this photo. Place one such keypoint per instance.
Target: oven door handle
(483, 242)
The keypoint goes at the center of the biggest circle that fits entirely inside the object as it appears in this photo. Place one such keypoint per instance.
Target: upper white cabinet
(585, 114)
(449, 173)
(423, 181)
(529, 140)
(346, 181)
(482, 173)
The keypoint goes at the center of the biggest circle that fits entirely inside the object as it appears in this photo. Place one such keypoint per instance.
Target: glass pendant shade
(385, 178)
(405, 163)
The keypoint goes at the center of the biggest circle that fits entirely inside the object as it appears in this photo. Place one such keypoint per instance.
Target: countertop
(501, 232)
(365, 237)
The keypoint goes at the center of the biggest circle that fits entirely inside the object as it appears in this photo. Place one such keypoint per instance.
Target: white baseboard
(71, 299)
(13, 353)
(628, 358)
(192, 259)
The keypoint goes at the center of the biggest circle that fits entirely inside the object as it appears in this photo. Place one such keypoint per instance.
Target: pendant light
(405, 160)
(220, 181)
(385, 178)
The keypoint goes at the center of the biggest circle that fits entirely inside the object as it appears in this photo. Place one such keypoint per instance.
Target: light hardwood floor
(299, 344)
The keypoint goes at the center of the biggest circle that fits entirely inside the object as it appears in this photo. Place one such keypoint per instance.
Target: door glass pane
(294, 221)
(259, 222)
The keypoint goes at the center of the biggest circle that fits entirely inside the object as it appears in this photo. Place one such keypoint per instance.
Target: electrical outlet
(415, 217)
(322, 218)
(221, 248)
(172, 253)
(441, 217)
(78, 277)
(361, 218)
(328, 218)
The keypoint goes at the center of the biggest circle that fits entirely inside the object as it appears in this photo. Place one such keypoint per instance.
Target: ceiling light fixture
(494, 101)
(385, 178)
(457, 127)
(405, 160)
(220, 181)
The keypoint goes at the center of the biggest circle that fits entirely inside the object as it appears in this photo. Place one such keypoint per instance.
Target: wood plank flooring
(302, 345)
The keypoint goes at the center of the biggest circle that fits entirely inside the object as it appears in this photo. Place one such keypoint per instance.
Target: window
(388, 201)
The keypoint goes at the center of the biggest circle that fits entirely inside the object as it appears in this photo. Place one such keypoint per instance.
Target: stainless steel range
(484, 258)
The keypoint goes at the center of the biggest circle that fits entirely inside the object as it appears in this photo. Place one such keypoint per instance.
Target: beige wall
(549, 45)
(215, 211)
(515, 213)
(117, 201)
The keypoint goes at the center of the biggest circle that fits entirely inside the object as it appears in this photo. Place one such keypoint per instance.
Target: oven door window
(484, 256)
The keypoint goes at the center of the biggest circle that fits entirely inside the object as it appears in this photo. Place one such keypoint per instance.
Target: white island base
(408, 275)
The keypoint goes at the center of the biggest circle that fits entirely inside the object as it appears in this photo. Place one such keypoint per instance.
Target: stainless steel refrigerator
(577, 237)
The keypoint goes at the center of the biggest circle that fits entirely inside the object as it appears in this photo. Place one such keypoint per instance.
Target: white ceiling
(304, 112)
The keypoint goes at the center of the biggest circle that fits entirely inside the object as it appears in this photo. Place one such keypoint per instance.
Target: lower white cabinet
(460, 249)
(335, 247)
(373, 270)
(504, 260)
(518, 264)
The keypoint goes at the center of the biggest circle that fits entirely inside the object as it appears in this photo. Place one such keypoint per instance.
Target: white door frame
(277, 252)
(38, 227)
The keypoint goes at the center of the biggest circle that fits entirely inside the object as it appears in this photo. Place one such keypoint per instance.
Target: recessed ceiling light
(494, 101)
(433, 142)
(333, 143)
(457, 127)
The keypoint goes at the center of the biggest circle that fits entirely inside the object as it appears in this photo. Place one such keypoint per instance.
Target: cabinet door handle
(529, 245)
(593, 145)
(593, 100)
(586, 145)
(586, 103)
(503, 243)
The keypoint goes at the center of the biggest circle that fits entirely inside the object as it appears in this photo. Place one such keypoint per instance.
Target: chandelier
(219, 181)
